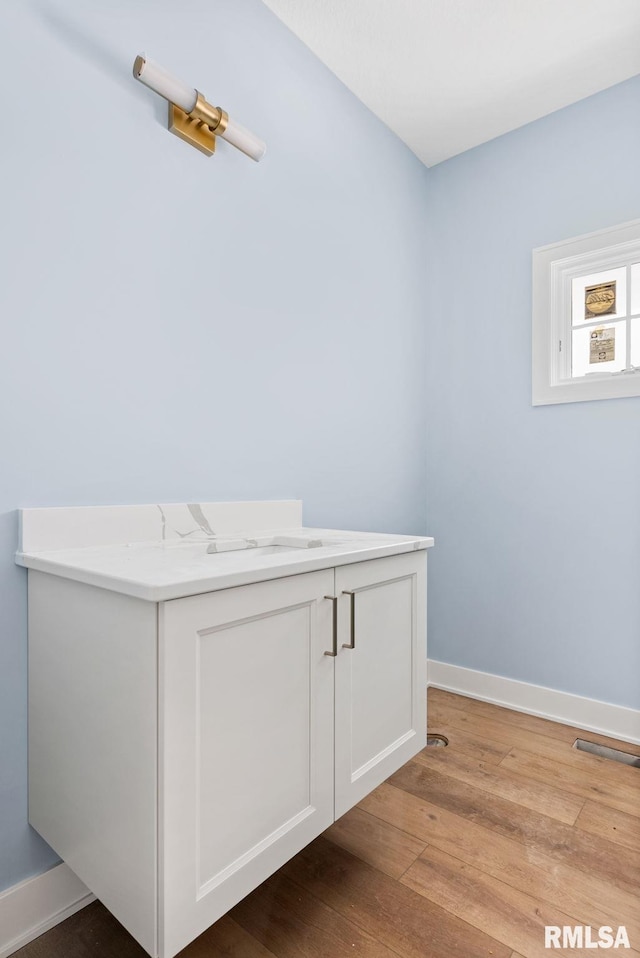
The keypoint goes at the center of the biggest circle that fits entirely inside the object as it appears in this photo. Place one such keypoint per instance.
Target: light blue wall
(182, 328)
(536, 512)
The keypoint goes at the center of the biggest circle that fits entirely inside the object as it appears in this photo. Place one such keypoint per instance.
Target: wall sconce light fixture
(191, 117)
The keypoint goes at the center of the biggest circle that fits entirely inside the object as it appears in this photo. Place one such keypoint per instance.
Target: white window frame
(554, 268)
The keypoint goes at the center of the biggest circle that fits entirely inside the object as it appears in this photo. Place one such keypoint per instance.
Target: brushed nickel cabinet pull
(334, 599)
(352, 644)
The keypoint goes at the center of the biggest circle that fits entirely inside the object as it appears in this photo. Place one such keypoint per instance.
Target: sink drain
(437, 741)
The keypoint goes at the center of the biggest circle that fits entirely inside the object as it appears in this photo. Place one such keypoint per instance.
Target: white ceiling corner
(447, 75)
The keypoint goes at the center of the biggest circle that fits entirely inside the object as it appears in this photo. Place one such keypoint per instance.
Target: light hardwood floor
(467, 852)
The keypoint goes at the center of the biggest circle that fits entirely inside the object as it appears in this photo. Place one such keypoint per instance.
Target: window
(586, 317)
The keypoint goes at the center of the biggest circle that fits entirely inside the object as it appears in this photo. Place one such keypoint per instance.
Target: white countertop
(198, 560)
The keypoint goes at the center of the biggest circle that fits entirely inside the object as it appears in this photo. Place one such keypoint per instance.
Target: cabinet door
(246, 742)
(380, 683)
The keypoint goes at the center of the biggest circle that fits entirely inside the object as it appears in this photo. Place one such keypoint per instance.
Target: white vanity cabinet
(182, 750)
(248, 735)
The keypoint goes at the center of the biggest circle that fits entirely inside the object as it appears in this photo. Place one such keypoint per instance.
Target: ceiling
(447, 75)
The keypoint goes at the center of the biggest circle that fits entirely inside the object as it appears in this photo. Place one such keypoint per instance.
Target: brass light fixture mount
(201, 126)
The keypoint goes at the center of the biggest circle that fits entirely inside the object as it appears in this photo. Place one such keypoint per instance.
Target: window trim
(554, 267)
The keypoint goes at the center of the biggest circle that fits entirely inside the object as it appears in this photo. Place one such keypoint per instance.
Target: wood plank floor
(467, 851)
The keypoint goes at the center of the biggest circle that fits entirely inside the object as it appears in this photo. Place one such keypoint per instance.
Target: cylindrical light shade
(243, 140)
(161, 81)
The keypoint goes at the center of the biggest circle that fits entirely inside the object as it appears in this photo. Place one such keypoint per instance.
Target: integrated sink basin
(267, 545)
(255, 550)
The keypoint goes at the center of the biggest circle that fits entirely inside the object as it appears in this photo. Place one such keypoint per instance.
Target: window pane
(635, 288)
(601, 349)
(635, 342)
(599, 294)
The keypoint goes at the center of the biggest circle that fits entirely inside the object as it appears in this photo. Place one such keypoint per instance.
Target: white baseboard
(34, 906)
(588, 714)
